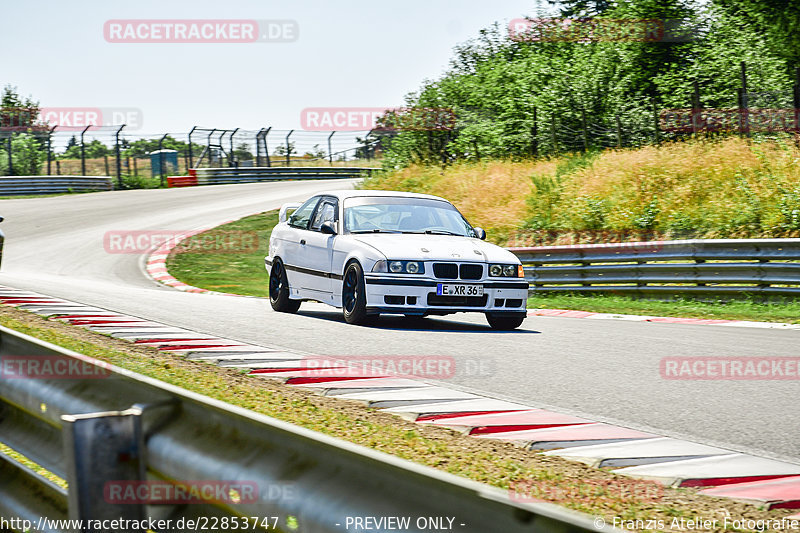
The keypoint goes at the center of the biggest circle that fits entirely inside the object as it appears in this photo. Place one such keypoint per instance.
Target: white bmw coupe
(373, 252)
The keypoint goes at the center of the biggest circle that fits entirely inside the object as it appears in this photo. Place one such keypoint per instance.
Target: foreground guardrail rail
(219, 176)
(711, 266)
(28, 185)
(105, 429)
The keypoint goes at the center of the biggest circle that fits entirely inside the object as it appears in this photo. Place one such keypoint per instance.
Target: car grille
(445, 270)
(457, 301)
(471, 271)
(456, 271)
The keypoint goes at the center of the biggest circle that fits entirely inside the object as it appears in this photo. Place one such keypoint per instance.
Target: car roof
(344, 194)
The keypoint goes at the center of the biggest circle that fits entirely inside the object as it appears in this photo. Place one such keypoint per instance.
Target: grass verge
(684, 308)
(239, 268)
(574, 485)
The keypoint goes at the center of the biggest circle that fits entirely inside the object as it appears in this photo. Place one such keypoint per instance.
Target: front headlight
(400, 267)
(506, 271)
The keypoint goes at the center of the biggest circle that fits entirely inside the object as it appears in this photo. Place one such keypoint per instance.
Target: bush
(27, 155)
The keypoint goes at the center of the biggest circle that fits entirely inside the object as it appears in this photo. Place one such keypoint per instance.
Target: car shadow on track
(430, 323)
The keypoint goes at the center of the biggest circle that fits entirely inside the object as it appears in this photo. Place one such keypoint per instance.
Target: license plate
(445, 289)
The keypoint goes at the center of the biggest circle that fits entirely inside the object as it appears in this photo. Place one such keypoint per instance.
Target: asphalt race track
(604, 369)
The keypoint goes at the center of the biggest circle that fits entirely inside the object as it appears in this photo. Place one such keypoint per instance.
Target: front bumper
(416, 295)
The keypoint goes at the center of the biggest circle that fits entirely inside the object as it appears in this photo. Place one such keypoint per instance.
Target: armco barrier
(92, 428)
(714, 266)
(219, 176)
(27, 185)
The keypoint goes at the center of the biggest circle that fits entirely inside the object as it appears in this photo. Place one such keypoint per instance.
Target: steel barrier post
(266, 147)
(231, 157)
(83, 151)
(258, 147)
(119, 162)
(288, 149)
(330, 152)
(105, 456)
(50, 148)
(191, 162)
(161, 158)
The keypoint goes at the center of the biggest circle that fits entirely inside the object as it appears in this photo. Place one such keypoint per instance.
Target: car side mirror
(328, 228)
(480, 233)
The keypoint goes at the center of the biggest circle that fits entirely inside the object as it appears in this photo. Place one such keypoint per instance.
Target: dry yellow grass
(490, 194)
(719, 180)
(698, 189)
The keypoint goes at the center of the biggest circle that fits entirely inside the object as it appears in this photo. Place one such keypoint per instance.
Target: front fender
(366, 256)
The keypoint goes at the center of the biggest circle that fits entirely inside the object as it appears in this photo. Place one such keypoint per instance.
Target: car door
(318, 249)
(294, 255)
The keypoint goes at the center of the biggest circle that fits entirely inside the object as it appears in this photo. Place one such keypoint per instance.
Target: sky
(347, 54)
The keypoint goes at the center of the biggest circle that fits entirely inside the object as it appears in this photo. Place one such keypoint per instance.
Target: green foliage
(16, 111)
(495, 83)
(281, 149)
(94, 149)
(789, 207)
(243, 153)
(142, 147)
(316, 152)
(27, 155)
(140, 182)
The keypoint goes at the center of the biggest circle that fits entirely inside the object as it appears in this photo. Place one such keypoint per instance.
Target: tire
(279, 290)
(354, 295)
(505, 322)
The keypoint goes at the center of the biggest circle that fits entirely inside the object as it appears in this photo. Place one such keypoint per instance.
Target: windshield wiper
(441, 232)
(433, 232)
(376, 230)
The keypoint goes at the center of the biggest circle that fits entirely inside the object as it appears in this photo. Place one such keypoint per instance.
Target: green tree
(496, 83)
(16, 112)
(243, 153)
(281, 149)
(27, 156)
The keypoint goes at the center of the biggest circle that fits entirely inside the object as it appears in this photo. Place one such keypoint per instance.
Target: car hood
(435, 248)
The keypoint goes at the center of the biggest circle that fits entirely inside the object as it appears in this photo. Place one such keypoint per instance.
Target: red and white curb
(566, 313)
(156, 264)
(766, 483)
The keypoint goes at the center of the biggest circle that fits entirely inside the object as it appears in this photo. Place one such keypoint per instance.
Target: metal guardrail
(218, 176)
(122, 426)
(28, 185)
(713, 266)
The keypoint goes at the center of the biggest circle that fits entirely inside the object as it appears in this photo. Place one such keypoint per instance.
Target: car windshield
(404, 215)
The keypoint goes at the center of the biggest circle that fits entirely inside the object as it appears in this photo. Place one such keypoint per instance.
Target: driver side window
(301, 217)
(325, 213)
